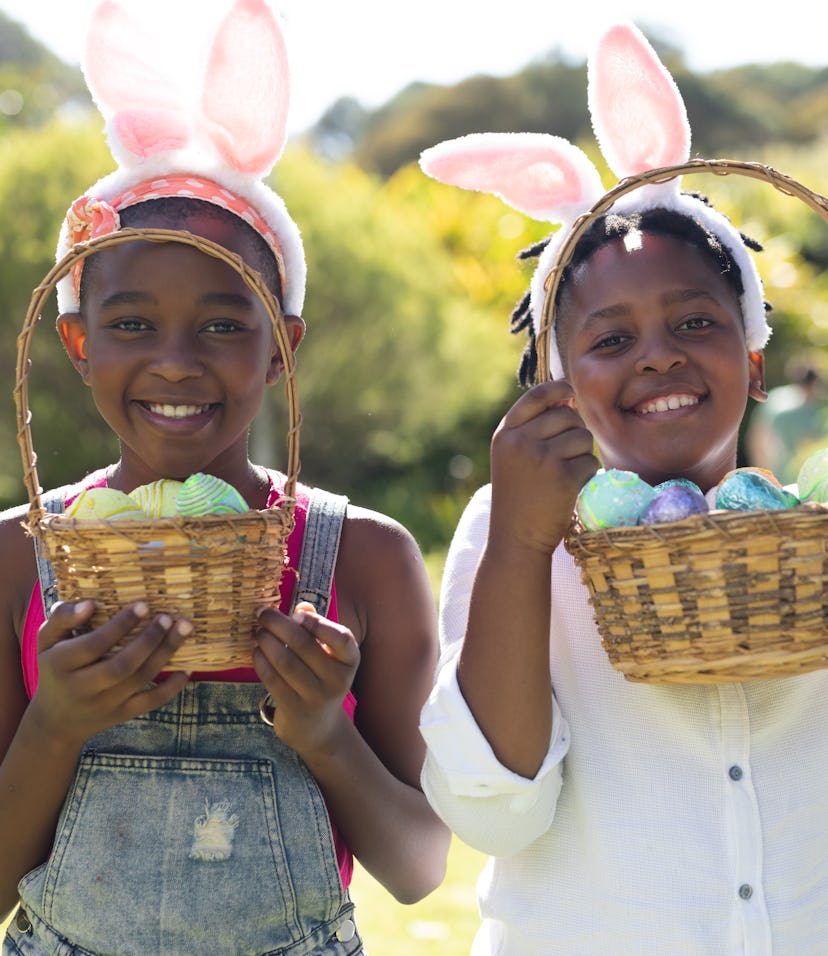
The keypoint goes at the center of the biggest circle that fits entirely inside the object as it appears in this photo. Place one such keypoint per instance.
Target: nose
(659, 353)
(176, 358)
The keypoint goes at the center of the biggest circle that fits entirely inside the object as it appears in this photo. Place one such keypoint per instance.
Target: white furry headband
(640, 122)
(217, 144)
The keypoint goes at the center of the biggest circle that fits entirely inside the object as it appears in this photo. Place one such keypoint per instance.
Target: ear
(246, 93)
(542, 176)
(637, 111)
(756, 364)
(72, 332)
(135, 90)
(296, 331)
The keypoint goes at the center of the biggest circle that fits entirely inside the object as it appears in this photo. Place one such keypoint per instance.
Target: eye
(612, 341)
(222, 326)
(130, 324)
(696, 322)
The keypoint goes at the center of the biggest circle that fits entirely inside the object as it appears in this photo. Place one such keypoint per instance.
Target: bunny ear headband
(640, 122)
(216, 145)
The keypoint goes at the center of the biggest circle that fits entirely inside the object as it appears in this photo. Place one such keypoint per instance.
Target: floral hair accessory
(215, 140)
(88, 218)
(640, 122)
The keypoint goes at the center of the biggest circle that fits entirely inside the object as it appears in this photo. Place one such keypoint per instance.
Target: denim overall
(192, 831)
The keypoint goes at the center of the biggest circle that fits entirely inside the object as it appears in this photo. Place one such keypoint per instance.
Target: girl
(621, 818)
(142, 815)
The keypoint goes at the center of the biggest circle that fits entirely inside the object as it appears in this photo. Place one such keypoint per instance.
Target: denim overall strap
(320, 547)
(53, 502)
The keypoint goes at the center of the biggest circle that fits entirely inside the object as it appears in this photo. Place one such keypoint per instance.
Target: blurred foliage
(34, 83)
(407, 365)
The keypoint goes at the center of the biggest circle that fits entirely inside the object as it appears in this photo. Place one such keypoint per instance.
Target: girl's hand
(541, 457)
(85, 687)
(307, 664)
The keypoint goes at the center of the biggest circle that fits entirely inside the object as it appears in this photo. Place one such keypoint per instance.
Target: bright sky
(370, 49)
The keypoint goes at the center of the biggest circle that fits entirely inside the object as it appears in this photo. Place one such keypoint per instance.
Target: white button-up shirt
(665, 820)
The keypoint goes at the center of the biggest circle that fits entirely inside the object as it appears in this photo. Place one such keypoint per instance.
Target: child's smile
(656, 354)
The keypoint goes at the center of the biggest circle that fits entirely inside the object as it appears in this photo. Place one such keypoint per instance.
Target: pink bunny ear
(130, 85)
(638, 114)
(543, 176)
(247, 89)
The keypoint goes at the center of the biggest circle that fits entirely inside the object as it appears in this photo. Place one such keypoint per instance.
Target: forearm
(503, 670)
(387, 823)
(34, 778)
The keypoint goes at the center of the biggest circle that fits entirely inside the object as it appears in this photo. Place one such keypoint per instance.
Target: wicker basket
(726, 596)
(216, 571)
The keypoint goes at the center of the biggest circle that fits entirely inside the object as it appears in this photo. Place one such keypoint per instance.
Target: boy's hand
(307, 664)
(541, 457)
(85, 687)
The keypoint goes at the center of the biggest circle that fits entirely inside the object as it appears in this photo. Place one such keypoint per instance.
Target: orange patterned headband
(89, 217)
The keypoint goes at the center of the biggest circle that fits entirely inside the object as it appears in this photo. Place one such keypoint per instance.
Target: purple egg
(672, 504)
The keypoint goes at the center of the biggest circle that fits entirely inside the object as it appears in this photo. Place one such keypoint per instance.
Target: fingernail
(140, 609)
(82, 607)
(165, 621)
(184, 628)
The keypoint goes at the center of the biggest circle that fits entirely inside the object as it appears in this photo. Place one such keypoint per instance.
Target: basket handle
(718, 167)
(63, 268)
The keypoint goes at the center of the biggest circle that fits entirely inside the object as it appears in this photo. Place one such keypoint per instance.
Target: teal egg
(612, 499)
(745, 490)
(813, 477)
(204, 494)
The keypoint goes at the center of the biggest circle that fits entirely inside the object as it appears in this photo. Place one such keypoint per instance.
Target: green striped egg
(204, 494)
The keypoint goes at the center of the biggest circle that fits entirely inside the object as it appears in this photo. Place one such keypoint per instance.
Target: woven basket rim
(41, 294)
(782, 182)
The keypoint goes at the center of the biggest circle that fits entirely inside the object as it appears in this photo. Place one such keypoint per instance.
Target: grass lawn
(443, 924)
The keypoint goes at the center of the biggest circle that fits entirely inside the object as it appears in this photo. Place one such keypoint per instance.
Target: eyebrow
(226, 299)
(670, 298)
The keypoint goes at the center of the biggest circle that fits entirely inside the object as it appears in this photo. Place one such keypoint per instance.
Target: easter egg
(204, 494)
(764, 472)
(672, 503)
(158, 498)
(746, 490)
(613, 498)
(677, 483)
(813, 477)
(104, 503)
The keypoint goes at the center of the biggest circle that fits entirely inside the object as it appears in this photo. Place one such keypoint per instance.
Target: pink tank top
(35, 617)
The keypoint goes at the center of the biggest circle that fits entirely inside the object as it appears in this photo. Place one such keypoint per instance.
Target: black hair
(176, 212)
(612, 226)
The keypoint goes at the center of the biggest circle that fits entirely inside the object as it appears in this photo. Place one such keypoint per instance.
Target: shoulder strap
(320, 546)
(53, 502)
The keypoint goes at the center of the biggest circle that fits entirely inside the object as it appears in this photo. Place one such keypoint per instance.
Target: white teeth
(668, 403)
(177, 411)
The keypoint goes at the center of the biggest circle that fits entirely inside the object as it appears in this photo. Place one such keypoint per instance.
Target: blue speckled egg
(747, 490)
(813, 477)
(612, 499)
(204, 494)
(672, 503)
